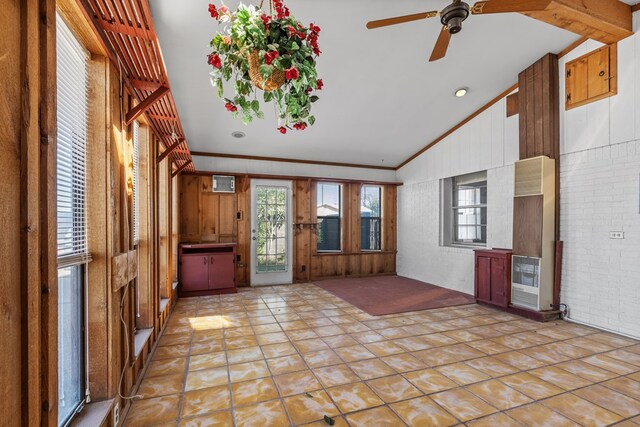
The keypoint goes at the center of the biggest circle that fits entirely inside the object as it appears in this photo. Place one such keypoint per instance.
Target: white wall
(600, 191)
(488, 142)
(230, 165)
(600, 187)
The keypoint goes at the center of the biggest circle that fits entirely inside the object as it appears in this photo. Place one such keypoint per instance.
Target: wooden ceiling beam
(144, 84)
(181, 168)
(146, 103)
(607, 21)
(169, 149)
(130, 30)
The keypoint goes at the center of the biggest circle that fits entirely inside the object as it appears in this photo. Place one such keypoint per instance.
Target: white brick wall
(601, 277)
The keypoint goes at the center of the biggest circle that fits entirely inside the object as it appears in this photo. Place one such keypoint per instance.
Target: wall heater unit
(223, 184)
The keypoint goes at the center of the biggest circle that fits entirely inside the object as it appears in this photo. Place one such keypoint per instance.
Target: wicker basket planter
(275, 80)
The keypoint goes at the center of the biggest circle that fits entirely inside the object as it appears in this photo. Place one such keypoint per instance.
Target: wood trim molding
(169, 149)
(459, 125)
(287, 160)
(180, 168)
(290, 177)
(146, 103)
(635, 7)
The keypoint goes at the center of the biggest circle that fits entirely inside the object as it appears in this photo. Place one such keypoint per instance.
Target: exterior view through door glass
(271, 243)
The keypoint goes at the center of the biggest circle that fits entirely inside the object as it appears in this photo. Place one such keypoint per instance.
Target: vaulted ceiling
(382, 99)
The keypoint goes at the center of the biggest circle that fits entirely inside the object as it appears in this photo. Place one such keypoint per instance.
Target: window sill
(469, 247)
(353, 253)
(164, 302)
(141, 338)
(93, 414)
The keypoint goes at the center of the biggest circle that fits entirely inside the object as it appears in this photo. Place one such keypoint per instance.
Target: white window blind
(136, 174)
(72, 118)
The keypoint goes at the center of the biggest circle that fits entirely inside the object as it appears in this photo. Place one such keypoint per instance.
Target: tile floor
(289, 355)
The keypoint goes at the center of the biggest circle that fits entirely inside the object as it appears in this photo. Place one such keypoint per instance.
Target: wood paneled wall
(219, 217)
(28, 283)
(539, 104)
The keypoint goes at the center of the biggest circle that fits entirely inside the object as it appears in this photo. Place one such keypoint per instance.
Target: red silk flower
(213, 11)
(230, 107)
(292, 73)
(214, 59)
(300, 126)
(319, 84)
(282, 130)
(270, 56)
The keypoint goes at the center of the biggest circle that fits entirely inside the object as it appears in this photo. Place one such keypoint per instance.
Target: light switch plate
(616, 234)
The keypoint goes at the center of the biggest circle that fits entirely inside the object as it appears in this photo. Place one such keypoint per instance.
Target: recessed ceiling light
(238, 134)
(461, 92)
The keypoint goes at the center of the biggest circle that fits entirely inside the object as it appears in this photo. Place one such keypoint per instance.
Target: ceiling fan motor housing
(453, 15)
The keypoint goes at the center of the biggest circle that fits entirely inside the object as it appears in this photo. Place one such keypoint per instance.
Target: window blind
(136, 174)
(72, 119)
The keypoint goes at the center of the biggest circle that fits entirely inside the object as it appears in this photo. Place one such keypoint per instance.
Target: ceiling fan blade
(442, 44)
(401, 19)
(503, 6)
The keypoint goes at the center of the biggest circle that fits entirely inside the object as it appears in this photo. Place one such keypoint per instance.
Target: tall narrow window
(370, 218)
(135, 208)
(73, 254)
(328, 214)
(464, 208)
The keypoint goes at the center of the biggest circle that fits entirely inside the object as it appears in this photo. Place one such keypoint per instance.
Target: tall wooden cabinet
(493, 276)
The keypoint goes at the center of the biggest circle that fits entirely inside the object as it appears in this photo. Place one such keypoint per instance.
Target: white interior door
(271, 242)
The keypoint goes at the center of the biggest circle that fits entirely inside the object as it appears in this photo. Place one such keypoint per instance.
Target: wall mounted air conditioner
(533, 234)
(223, 184)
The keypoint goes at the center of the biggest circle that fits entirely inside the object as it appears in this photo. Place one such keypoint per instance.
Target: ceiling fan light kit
(453, 15)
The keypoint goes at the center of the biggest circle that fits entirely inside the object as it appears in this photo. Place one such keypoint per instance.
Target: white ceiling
(382, 99)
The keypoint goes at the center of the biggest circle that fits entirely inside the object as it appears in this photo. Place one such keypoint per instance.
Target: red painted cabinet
(493, 276)
(207, 268)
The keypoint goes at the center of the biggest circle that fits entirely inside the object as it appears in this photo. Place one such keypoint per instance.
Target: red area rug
(393, 294)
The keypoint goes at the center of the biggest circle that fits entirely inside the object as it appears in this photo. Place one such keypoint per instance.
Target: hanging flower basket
(270, 52)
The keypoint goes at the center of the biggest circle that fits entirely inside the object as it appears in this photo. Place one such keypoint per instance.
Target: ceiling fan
(454, 15)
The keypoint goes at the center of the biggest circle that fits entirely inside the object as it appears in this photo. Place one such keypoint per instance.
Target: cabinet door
(222, 271)
(498, 282)
(483, 278)
(194, 272)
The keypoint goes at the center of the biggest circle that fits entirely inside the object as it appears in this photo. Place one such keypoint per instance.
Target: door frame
(271, 278)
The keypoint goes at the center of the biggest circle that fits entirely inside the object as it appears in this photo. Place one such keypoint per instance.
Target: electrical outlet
(116, 414)
(616, 234)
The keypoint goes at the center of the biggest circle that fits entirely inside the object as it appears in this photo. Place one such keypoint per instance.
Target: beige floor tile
(404, 362)
(384, 348)
(216, 419)
(161, 386)
(306, 408)
(296, 383)
(488, 347)
(612, 340)
(329, 330)
(336, 375)
(243, 355)
(587, 371)
(234, 343)
(537, 415)
(498, 394)
(248, 371)
(319, 359)
(207, 361)
(462, 374)
(430, 381)
(171, 352)
(206, 400)
(611, 364)
(500, 419)
(393, 388)
(337, 341)
(207, 347)
(625, 386)
(492, 366)
(532, 386)
(560, 377)
(612, 400)
(381, 416)
(589, 344)
(278, 350)
(545, 355)
(581, 411)
(253, 391)
(519, 360)
(371, 368)
(463, 404)
(238, 332)
(308, 346)
(272, 338)
(423, 411)
(301, 334)
(162, 367)
(148, 412)
(269, 328)
(286, 364)
(354, 397)
(626, 356)
(354, 353)
(635, 376)
(174, 339)
(205, 378)
(438, 339)
(271, 413)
